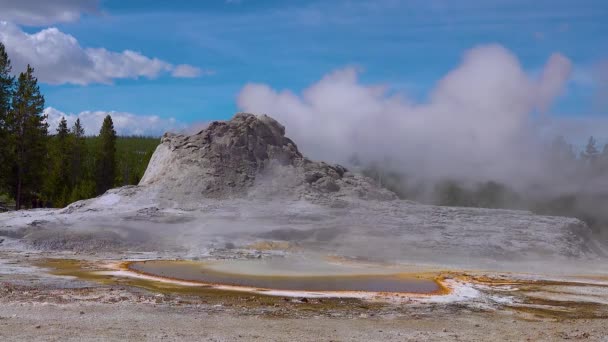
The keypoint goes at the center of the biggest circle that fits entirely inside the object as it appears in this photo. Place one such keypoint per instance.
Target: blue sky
(405, 45)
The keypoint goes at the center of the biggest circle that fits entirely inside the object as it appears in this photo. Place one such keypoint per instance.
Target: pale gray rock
(248, 156)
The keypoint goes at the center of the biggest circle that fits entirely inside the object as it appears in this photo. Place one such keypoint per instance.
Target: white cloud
(477, 121)
(186, 71)
(124, 123)
(58, 58)
(45, 12)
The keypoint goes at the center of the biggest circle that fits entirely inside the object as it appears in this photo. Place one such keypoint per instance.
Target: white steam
(478, 121)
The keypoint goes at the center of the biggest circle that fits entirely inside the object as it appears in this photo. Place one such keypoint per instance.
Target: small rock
(304, 300)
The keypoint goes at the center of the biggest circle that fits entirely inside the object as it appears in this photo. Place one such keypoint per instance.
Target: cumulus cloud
(46, 12)
(58, 58)
(476, 123)
(124, 123)
(186, 71)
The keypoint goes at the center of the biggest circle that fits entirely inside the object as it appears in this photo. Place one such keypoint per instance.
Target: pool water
(268, 275)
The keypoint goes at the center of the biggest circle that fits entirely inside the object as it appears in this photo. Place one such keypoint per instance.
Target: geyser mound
(248, 156)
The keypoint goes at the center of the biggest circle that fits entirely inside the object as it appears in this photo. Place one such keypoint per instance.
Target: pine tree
(78, 153)
(29, 130)
(82, 181)
(7, 83)
(58, 186)
(106, 157)
(591, 152)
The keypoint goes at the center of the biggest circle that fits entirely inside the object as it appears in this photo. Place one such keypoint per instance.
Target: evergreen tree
(28, 129)
(59, 179)
(7, 82)
(106, 157)
(78, 153)
(81, 180)
(591, 152)
(62, 129)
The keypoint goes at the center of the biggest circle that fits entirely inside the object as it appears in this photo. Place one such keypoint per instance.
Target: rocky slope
(248, 156)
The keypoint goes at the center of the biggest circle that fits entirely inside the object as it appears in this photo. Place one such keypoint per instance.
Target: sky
(171, 65)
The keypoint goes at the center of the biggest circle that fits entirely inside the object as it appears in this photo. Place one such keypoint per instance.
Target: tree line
(39, 168)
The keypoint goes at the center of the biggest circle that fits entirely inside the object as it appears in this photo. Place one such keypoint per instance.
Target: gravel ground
(142, 322)
(38, 306)
(73, 310)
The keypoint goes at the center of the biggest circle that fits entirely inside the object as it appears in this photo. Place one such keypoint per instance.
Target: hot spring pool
(287, 275)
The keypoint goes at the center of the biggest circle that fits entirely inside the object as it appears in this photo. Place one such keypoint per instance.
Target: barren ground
(67, 301)
(34, 321)
(137, 317)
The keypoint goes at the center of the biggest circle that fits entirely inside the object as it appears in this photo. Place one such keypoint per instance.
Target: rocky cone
(248, 156)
